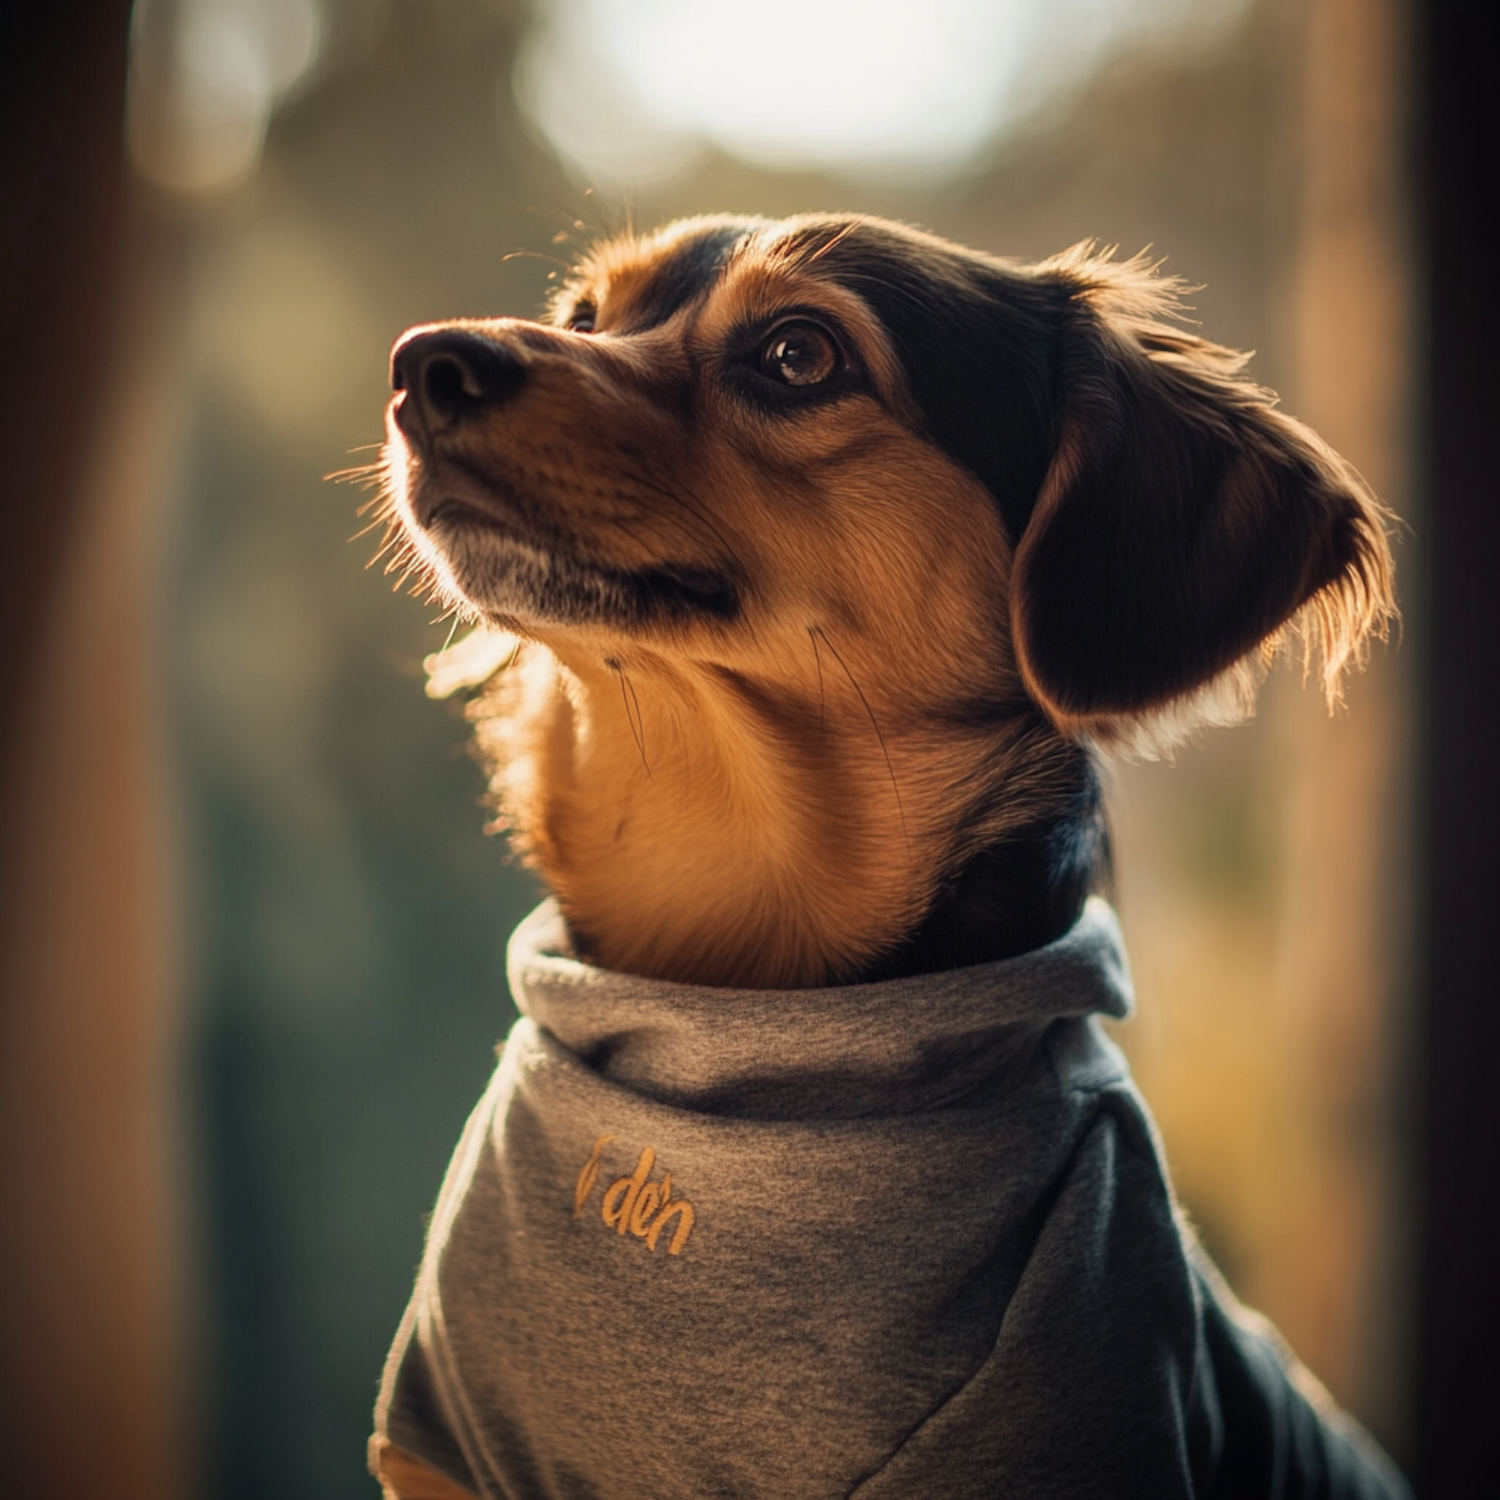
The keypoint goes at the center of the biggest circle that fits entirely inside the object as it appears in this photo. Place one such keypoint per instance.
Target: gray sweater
(905, 1239)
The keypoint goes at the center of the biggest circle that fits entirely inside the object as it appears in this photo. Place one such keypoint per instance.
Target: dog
(814, 566)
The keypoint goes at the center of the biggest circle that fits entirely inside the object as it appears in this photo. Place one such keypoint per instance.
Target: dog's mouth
(508, 561)
(455, 511)
(445, 491)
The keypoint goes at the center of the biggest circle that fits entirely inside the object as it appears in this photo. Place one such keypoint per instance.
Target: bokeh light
(632, 90)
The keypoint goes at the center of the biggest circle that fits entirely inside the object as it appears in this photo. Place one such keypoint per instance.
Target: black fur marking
(768, 395)
(1189, 533)
(977, 341)
(1014, 896)
(576, 593)
(683, 593)
(685, 272)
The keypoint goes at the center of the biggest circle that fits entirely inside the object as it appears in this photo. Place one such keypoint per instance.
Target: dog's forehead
(640, 282)
(644, 281)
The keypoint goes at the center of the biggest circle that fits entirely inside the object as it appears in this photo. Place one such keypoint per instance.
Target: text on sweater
(635, 1204)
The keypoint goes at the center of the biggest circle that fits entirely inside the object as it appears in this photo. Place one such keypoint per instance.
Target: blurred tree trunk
(1344, 964)
(88, 1335)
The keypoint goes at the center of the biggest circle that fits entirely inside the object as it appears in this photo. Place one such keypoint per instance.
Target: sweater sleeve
(410, 1413)
(1090, 1388)
(1118, 1372)
(1284, 1437)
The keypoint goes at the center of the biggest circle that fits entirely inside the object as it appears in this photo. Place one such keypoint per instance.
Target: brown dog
(835, 553)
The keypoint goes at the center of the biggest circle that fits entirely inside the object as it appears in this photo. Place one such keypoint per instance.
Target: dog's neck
(702, 827)
(1015, 896)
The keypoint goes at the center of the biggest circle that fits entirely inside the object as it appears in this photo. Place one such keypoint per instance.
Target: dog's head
(735, 430)
(848, 538)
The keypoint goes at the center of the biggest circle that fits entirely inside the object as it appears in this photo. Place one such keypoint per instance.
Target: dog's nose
(449, 374)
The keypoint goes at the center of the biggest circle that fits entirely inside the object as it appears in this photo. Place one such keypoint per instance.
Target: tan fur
(403, 1477)
(772, 800)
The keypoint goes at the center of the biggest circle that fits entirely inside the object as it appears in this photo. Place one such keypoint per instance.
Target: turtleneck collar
(853, 1051)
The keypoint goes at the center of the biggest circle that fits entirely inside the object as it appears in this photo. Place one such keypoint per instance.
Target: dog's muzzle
(449, 376)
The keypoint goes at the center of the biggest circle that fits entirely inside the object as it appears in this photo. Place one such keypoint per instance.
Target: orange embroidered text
(635, 1204)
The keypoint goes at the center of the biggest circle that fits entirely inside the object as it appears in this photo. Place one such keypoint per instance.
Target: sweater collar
(897, 1046)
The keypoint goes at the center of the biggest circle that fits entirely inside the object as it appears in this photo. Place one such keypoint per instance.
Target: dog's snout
(450, 374)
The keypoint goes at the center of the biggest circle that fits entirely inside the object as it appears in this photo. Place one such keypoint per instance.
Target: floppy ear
(1183, 520)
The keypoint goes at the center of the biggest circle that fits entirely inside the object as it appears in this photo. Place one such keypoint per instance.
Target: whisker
(369, 526)
(890, 769)
(382, 512)
(634, 719)
(683, 503)
(537, 255)
(383, 498)
(359, 474)
(812, 635)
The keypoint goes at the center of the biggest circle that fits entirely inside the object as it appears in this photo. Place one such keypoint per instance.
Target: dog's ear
(1183, 520)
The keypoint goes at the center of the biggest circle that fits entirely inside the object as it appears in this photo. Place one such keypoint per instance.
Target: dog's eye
(581, 319)
(799, 354)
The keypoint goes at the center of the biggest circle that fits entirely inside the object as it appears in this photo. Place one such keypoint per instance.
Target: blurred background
(253, 933)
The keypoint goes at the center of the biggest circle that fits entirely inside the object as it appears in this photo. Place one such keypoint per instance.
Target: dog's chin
(505, 576)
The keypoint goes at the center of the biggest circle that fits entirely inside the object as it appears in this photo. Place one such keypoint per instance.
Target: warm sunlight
(633, 90)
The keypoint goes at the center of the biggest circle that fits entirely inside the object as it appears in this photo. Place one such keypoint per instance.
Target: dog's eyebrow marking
(676, 277)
